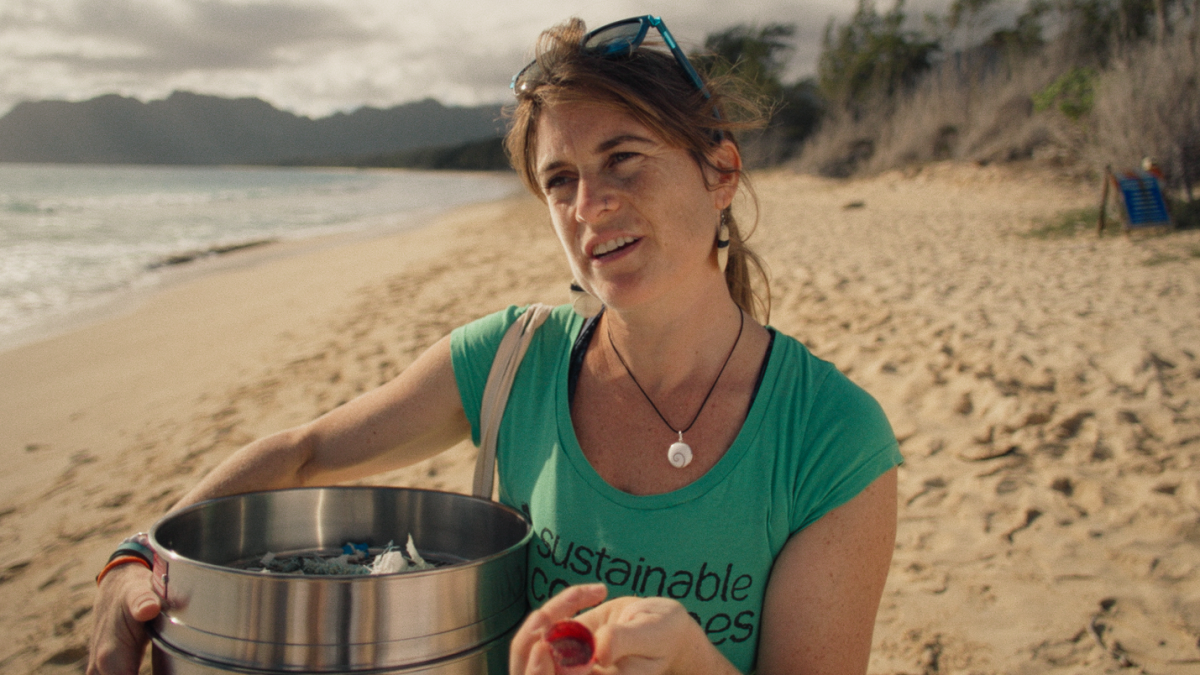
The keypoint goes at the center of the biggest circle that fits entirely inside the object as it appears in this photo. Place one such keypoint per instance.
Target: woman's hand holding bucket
(122, 608)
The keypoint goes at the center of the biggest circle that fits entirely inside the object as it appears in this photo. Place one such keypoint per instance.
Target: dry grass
(985, 119)
(1066, 224)
(1147, 103)
(952, 114)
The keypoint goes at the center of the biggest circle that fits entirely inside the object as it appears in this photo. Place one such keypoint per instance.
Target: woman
(738, 494)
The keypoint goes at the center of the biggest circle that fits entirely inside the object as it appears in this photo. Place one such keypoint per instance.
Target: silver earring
(723, 243)
(584, 303)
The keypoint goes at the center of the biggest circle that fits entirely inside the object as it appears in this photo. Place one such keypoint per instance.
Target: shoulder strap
(495, 393)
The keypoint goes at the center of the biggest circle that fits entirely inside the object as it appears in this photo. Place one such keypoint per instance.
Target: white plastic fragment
(389, 562)
(418, 561)
(352, 561)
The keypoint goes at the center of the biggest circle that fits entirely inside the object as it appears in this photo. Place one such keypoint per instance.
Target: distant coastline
(193, 129)
(482, 155)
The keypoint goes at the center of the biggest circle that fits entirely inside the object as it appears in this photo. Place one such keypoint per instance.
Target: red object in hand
(572, 646)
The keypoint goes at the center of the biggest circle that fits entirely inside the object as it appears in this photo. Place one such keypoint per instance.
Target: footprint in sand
(68, 656)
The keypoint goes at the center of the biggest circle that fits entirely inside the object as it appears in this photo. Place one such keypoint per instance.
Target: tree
(799, 112)
(969, 15)
(757, 57)
(1096, 29)
(1025, 37)
(871, 56)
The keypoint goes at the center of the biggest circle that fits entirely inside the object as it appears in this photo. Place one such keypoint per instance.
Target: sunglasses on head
(616, 40)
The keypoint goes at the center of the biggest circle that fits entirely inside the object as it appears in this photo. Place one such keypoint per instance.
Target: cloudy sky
(315, 57)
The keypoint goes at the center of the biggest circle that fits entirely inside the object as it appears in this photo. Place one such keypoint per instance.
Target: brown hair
(650, 86)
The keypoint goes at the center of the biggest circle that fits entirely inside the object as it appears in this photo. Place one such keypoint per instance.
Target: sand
(1046, 393)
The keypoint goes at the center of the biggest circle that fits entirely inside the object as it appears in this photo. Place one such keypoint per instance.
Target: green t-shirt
(812, 440)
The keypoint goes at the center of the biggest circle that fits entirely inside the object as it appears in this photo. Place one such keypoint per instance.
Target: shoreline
(219, 311)
(187, 266)
(1046, 394)
(234, 248)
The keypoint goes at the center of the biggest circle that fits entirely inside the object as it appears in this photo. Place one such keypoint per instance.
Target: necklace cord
(741, 325)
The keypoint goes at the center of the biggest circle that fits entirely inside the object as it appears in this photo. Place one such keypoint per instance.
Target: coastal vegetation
(481, 155)
(1081, 84)
(1094, 82)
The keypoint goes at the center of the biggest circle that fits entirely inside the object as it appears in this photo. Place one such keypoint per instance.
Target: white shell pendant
(680, 453)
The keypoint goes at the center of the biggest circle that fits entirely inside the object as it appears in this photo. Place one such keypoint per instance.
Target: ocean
(75, 238)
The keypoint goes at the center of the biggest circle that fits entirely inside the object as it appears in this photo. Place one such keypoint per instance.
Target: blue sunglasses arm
(680, 57)
(657, 22)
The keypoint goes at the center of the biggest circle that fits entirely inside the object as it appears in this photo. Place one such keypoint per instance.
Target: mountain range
(188, 128)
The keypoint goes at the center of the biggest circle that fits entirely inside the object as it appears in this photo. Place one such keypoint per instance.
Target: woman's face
(634, 215)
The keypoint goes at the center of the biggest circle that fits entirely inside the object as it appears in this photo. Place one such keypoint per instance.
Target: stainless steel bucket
(487, 659)
(238, 619)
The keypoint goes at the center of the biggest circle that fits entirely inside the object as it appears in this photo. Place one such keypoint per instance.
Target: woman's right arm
(412, 417)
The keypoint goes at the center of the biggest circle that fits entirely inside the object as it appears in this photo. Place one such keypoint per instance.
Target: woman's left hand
(634, 636)
(529, 654)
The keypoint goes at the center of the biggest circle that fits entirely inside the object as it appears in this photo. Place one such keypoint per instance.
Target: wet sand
(1046, 393)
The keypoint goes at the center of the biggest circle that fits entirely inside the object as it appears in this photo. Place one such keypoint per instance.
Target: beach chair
(1140, 194)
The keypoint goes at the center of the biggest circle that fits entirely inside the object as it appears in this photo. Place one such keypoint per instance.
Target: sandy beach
(1046, 393)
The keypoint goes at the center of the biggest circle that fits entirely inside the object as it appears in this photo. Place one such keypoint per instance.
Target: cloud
(318, 56)
(165, 37)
